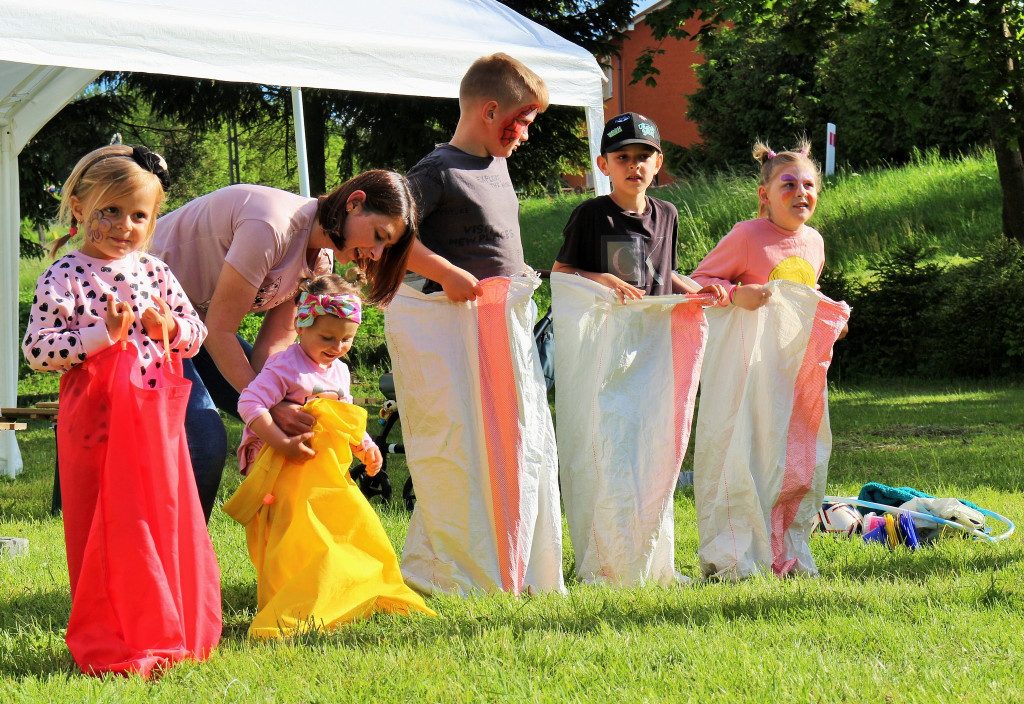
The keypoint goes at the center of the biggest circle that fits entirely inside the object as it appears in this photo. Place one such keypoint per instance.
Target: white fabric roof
(49, 51)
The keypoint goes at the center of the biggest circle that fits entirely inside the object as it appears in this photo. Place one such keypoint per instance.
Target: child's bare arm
(458, 284)
(370, 455)
(621, 288)
(684, 284)
(292, 447)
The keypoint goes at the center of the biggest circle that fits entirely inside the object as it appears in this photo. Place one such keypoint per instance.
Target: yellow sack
(322, 557)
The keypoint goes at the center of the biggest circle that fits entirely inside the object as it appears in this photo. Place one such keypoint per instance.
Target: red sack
(145, 585)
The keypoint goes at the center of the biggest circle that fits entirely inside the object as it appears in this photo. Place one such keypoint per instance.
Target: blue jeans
(207, 437)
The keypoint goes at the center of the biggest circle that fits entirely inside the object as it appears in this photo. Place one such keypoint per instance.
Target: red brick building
(665, 103)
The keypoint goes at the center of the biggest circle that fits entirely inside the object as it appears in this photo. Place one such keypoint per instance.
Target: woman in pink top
(245, 249)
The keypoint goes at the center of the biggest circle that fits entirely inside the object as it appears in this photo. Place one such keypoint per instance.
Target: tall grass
(952, 205)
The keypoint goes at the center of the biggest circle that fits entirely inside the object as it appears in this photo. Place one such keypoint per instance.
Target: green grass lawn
(941, 624)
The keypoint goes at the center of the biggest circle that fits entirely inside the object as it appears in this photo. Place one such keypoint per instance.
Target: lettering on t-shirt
(621, 256)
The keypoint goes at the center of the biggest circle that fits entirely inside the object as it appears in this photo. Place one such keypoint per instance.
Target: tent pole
(300, 141)
(10, 455)
(595, 123)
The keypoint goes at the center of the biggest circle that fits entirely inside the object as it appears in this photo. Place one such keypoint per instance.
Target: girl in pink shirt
(752, 497)
(778, 244)
(329, 314)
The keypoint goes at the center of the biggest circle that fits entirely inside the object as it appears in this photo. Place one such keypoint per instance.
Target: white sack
(478, 440)
(626, 378)
(763, 438)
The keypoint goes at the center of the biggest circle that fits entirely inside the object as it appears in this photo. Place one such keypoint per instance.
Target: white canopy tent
(50, 51)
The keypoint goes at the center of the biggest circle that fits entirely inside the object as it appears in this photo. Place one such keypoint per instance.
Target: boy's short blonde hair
(501, 78)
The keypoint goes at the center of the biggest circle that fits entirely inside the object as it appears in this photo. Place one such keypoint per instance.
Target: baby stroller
(380, 484)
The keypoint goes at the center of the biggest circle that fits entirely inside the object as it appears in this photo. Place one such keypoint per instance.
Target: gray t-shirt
(469, 212)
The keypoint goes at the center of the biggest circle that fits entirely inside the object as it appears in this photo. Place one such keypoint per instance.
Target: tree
(389, 131)
(984, 42)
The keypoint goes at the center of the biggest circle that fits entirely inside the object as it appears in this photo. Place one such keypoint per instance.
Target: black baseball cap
(629, 128)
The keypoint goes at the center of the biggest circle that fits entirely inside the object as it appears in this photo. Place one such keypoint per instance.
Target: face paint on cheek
(99, 226)
(513, 130)
(787, 193)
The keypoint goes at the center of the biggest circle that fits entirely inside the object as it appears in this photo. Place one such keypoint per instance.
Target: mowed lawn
(944, 622)
(940, 624)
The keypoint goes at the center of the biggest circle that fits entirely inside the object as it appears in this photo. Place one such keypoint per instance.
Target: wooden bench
(14, 419)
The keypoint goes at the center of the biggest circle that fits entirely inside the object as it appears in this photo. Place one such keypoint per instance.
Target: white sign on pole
(830, 149)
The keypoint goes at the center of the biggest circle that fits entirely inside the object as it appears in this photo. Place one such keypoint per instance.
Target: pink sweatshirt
(290, 375)
(67, 323)
(754, 250)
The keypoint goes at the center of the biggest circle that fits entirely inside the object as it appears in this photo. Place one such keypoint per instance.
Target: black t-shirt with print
(638, 248)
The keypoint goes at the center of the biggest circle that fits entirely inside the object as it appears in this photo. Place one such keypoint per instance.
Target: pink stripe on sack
(689, 333)
(804, 421)
(499, 402)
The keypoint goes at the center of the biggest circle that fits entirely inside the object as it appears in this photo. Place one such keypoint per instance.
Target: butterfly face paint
(791, 196)
(516, 129)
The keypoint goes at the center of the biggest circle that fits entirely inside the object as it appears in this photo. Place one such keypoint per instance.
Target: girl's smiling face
(327, 339)
(791, 195)
(118, 226)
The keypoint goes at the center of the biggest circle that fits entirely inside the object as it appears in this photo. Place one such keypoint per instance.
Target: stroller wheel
(377, 485)
(409, 495)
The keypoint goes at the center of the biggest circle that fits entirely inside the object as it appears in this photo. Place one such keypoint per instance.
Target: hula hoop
(973, 532)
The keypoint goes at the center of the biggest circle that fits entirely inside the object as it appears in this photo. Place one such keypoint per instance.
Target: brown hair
(504, 79)
(329, 284)
(771, 162)
(387, 193)
(99, 178)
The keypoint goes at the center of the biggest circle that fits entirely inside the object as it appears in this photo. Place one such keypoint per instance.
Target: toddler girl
(329, 315)
(322, 557)
(145, 588)
(763, 438)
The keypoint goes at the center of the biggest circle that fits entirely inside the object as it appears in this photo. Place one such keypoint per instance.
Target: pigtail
(355, 275)
(762, 153)
(58, 244)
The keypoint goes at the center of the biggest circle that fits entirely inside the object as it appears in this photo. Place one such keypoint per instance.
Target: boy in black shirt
(627, 240)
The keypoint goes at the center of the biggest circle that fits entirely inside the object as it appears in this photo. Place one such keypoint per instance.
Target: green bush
(916, 318)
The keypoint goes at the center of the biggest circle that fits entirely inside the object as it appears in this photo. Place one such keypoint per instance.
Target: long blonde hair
(98, 178)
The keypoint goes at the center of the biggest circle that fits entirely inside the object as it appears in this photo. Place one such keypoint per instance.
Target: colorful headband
(343, 305)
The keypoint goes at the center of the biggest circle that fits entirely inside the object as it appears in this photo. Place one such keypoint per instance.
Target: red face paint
(514, 129)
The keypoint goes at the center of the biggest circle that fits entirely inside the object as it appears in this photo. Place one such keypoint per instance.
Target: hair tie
(343, 305)
(771, 154)
(153, 163)
(803, 152)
